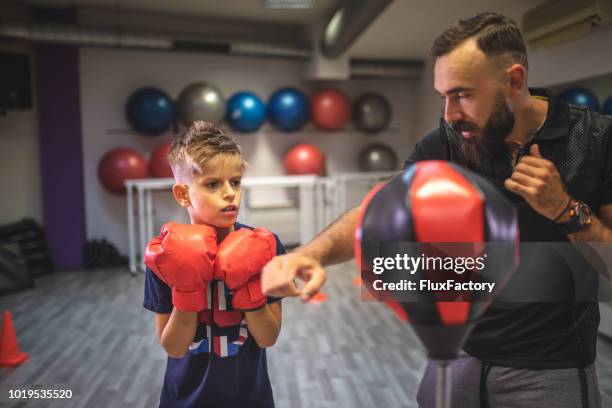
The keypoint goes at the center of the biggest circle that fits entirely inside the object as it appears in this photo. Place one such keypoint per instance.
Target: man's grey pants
(508, 387)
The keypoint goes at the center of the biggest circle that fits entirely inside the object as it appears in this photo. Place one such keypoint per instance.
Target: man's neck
(529, 119)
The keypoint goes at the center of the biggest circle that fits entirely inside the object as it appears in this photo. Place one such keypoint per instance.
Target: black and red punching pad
(439, 209)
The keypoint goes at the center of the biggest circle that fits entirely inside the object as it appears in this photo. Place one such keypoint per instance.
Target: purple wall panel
(59, 128)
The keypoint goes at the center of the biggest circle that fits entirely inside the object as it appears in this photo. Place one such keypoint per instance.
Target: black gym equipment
(32, 242)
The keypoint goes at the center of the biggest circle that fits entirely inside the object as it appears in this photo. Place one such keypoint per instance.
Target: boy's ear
(181, 194)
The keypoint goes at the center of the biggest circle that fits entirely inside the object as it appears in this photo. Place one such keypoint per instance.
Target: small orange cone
(367, 296)
(10, 355)
(319, 297)
(357, 281)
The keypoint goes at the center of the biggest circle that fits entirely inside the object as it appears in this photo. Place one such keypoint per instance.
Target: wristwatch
(580, 217)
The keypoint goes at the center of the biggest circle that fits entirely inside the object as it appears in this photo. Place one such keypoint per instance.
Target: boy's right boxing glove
(183, 256)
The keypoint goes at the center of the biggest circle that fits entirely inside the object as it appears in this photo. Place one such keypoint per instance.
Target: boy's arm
(265, 323)
(333, 245)
(175, 331)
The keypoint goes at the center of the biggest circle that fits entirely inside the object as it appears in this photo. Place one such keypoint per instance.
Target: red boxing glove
(183, 256)
(240, 259)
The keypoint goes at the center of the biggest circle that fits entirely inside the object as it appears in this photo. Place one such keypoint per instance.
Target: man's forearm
(595, 232)
(335, 243)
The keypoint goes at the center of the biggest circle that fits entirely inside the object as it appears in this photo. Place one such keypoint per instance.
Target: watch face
(580, 218)
(585, 214)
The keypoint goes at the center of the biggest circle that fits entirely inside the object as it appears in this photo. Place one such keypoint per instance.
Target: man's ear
(181, 194)
(517, 76)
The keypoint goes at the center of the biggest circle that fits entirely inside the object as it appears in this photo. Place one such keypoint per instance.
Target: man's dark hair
(494, 33)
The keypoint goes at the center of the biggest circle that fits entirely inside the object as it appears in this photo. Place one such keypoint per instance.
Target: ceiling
(227, 9)
(408, 27)
(404, 30)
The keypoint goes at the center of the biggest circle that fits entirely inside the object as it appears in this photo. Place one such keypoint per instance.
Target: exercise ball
(580, 96)
(607, 106)
(288, 109)
(245, 112)
(438, 210)
(159, 166)
(149, 111)
(377, 157)
(118, 165)
(371, 113)
(304, 159)
(331, 109)
(200, 101)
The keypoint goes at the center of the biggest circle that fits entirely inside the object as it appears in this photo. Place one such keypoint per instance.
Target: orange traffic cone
(367, 296)
(10, 355)
(357, 281)
(319, 297)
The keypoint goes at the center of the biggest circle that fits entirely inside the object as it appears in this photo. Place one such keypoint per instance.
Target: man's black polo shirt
(543, 334)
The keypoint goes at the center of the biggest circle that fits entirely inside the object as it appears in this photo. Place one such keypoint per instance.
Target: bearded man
(554, 162)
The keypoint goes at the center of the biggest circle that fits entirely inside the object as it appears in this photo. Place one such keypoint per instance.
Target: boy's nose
(228, 192)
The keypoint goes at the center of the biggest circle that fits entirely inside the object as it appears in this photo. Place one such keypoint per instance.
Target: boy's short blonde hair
(196, 145)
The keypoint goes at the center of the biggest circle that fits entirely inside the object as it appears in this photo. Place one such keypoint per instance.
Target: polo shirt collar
(557, 120)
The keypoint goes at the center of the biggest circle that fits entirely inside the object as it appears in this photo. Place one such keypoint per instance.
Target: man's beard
(486, 142)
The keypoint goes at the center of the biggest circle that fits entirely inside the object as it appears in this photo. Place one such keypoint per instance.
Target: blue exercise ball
(607, 106)
(245, 112)
(288, 109)
(580, 96)
(149, 111)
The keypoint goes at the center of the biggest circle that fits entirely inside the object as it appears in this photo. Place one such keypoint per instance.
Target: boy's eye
(212, 184)
(236, 182)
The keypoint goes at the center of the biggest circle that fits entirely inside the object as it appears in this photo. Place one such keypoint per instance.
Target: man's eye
(453, 98)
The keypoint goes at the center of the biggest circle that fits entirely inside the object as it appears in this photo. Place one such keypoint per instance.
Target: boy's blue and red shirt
(224, 366)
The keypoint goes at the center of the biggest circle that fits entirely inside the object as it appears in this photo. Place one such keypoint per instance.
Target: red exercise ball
(331, 109)
(159, 166)
(118, 165)
(304, 159)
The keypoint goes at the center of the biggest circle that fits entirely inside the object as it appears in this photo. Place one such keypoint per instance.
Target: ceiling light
(288, 4)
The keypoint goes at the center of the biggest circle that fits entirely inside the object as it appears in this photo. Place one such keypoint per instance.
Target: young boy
(202, 281)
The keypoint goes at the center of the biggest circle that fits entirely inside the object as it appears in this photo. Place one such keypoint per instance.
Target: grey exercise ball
(371, 112)
(377, 157)
(200, 101)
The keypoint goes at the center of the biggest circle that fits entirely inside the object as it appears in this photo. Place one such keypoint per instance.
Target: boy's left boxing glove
(183, 256)
(240, 259)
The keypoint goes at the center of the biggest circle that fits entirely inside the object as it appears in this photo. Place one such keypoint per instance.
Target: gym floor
(87, 331)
